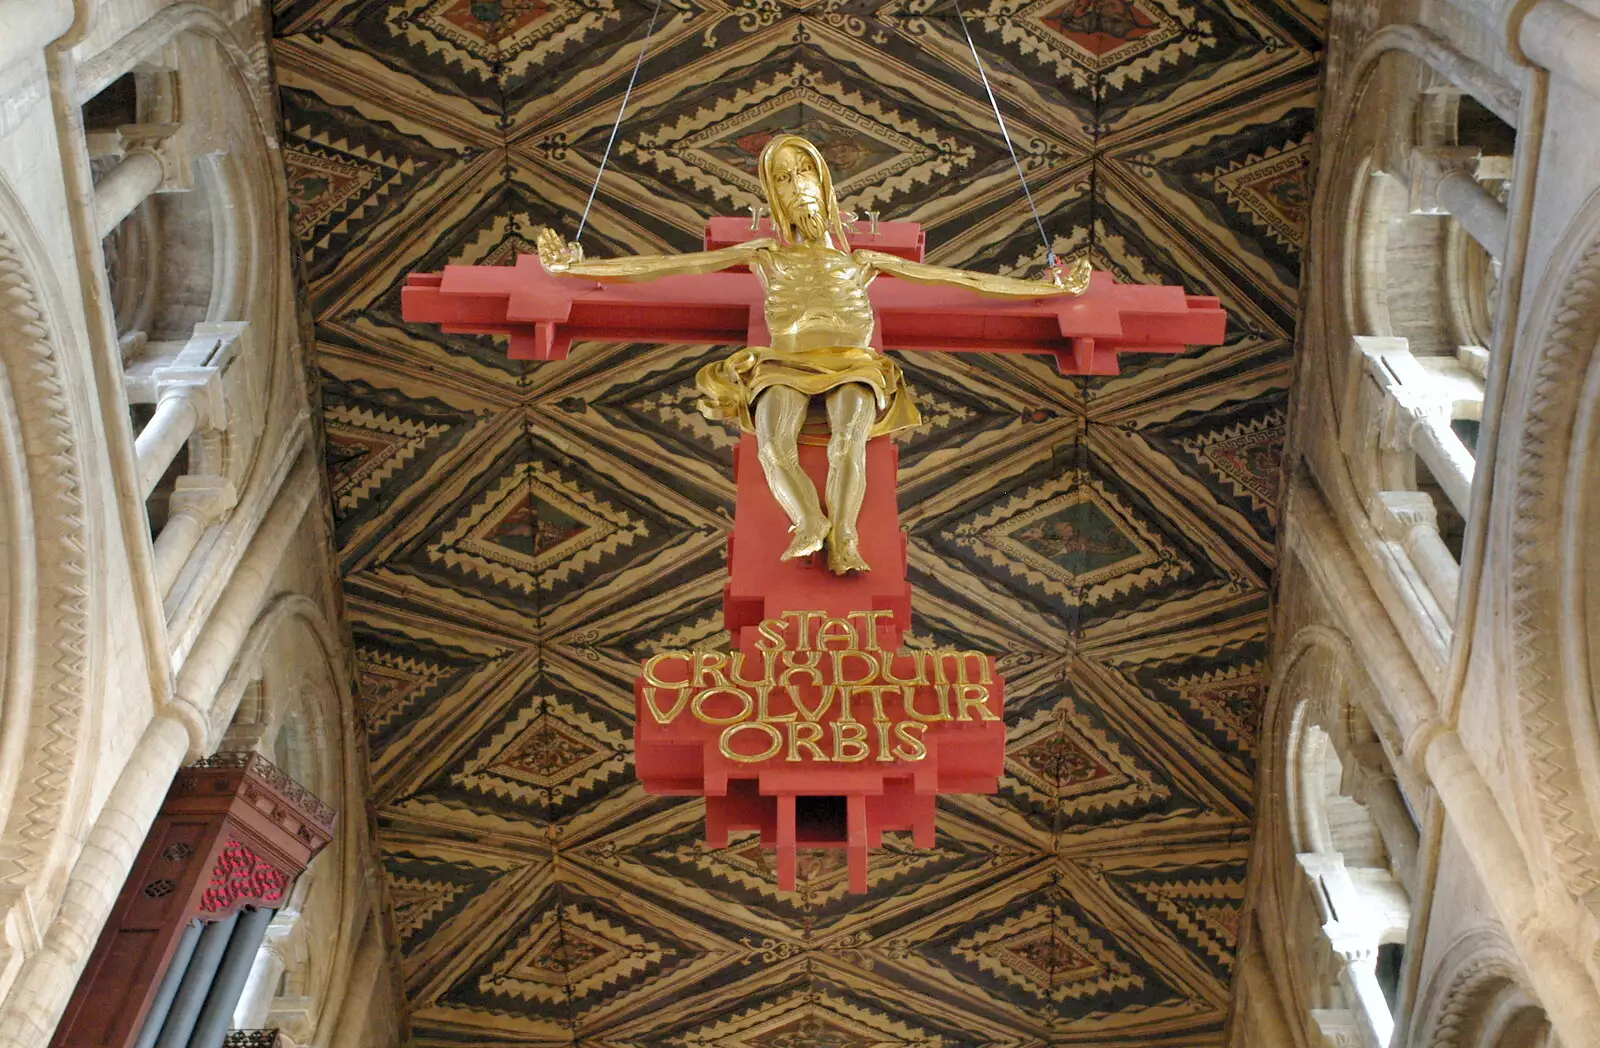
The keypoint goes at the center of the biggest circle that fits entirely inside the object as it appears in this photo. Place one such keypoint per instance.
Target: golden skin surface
(816, 300)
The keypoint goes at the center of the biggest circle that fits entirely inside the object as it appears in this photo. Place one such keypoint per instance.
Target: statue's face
(797, 184)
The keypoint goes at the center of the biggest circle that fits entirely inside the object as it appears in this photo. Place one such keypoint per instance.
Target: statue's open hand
(555, 254)
(1073, 279)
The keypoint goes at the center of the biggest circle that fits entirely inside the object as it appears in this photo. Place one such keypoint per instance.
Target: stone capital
(197, 369)
(1338, 1026)
(1395, 513)
(1432, 165)
(206, 497)
(165, 142)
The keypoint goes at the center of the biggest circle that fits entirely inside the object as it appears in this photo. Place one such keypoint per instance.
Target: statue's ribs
(544, 314)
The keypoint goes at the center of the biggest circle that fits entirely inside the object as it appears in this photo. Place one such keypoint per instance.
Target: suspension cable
(644, 49)
(1049, 253)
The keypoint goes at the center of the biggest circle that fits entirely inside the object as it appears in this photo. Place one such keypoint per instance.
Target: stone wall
(167, 586)
(1428, 860)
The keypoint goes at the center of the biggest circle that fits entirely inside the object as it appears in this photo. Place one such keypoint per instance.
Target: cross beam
(545, 314)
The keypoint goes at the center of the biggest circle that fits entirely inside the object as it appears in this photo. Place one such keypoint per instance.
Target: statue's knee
(772, 457)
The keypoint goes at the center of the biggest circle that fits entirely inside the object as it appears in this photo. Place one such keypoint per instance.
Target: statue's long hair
(782, 223)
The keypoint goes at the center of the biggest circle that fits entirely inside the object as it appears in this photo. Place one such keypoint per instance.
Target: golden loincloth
(731, 386)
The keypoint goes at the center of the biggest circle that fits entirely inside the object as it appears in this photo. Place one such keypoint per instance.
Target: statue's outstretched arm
(1075, 281)
(564, 259)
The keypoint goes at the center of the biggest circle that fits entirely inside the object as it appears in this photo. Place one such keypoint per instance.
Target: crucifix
(816, 728)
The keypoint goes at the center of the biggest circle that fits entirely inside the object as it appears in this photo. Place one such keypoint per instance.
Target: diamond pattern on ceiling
(516, 536)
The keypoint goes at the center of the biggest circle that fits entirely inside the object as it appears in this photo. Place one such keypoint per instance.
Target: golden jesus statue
(821, 323)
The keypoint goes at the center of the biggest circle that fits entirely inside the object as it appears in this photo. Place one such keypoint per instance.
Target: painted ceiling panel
(516, 536)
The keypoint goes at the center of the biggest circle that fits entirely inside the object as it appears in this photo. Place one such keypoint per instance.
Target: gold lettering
(910, 735)
(808, 735)
(824, 702)
(851, 736)
(774, 742)
(868, 631)
(840, 670)
(677, 705)
(973, 696)
(962, 660)
(809, 663)
(653, 661)
(771, 635)
(886, 661)
(698, 707)
(710, 664)
(803, 621)
(883, 741)
(836, 629)
(736, 668)
(763, 713)
(908, 698)
(878, 691)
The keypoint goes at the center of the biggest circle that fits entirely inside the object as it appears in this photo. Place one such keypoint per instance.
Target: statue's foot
(844, 556)
(809, 536)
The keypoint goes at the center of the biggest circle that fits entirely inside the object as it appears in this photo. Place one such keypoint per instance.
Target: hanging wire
(644, 49)
(1049, 254)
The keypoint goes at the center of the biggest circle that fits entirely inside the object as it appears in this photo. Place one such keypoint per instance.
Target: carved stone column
(234, 832)
(151, 160)
(1561, 37)
(1409, 519)
(196, 502)
(188, 392)
(1444, 181)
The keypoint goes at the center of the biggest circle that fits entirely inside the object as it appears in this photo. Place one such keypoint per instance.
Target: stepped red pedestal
(818, 730)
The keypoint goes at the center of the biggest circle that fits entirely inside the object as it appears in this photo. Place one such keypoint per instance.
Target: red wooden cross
(838, 778)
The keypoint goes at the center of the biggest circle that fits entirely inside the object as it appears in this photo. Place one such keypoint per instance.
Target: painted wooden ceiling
(515, 536)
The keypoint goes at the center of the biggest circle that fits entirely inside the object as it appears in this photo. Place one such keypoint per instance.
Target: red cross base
(817, 728)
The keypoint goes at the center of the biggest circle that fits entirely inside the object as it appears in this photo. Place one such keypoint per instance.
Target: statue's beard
(808, 221)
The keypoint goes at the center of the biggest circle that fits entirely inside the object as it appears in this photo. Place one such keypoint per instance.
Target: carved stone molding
(45, 414)
(1476, 976)
(1546, 512)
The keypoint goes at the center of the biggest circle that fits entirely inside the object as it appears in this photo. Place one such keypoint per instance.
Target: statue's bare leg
(851, 411)
(780, 412)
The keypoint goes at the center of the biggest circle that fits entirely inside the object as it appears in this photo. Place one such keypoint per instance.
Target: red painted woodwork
(544, 314)
(798, 795)
(813, 803)
(761, 585)
(234, 831)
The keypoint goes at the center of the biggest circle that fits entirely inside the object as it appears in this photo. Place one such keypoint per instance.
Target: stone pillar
(1410, 519)
(255, 1003)
(233, 832)
(152, 161)
(124, 188)
(1437, 445)
(1444, 182)
(1565, 40)
(177, 417)
(196, 503)
(188, 392)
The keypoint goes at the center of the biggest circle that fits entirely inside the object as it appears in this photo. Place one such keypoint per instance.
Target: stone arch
(1553, 452)
(1299, 661)
(1475, 998)
(1330, 911)
(45, 727)
(321, 910)
(238, 194)
(1345, 164)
